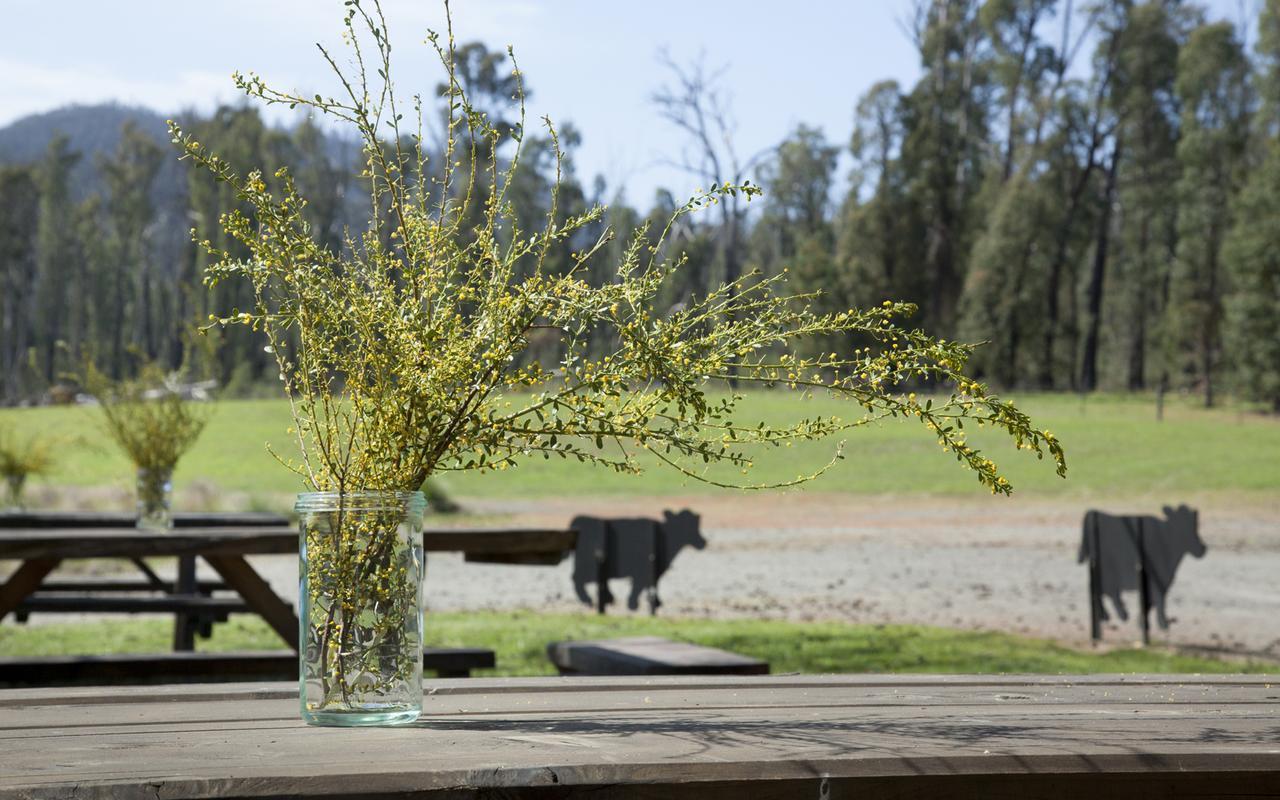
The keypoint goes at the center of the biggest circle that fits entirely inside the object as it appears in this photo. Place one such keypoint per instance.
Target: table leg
(25, 581)
(184, 624)
(257, 595)
(152, 577)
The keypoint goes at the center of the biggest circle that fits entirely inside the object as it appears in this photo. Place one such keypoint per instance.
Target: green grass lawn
(1114, 446)
(519, 640)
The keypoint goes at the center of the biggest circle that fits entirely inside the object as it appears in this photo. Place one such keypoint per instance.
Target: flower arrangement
(404, 355)
(151, 424)
(20, 458)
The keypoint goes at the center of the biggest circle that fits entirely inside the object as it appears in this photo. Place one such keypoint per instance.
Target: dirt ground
(995, 564)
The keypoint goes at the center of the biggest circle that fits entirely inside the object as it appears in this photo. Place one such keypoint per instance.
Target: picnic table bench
(648, 655)
(204, 666)
(684, 738)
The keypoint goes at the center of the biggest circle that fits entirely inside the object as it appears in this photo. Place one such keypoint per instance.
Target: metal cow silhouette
(1127, 553)
(636, 548)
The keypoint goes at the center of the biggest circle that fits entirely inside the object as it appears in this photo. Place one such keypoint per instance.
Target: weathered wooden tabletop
(807, 737)
(117, 542)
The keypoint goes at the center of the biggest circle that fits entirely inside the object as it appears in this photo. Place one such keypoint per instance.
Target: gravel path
(996, 564)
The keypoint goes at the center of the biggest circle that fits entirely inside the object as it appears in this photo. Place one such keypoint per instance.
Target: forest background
(1091, 188)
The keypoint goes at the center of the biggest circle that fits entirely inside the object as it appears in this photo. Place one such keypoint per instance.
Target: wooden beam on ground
(456, 662)
(649, 655)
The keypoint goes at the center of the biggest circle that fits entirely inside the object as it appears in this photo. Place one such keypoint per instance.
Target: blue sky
(590, 61)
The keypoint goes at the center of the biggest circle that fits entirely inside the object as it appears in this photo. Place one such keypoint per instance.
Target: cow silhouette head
(1181, 523)
(683, 528)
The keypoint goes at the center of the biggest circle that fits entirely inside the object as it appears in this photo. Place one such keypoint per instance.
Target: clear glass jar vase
(361, 607)
(155, 499)
(14, 494)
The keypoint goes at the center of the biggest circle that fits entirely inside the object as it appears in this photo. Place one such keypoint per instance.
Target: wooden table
(43, 547)
(811, 737)
(224, 548)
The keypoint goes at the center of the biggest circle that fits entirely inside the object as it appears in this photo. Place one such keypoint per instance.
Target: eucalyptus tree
(1007, 262)
(427, 343)
(243, 139)
(695, 102)
(1001, 285)
(1020, 58)
(797, 178)
(1147, 110)
(944, 150)
(874, 248)
(1107, 147)
(19, 212)
(322, 166)
(794, 230)
(56, 263)
(136, 292)
(1251, 252)
(1213, 88)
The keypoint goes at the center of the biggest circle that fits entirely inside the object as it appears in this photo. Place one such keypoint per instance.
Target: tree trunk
(1097, 274)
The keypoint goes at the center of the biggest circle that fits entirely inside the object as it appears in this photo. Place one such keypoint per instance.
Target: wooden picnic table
(810, 737)
(223, 548)
(42, 547)
(516, 546)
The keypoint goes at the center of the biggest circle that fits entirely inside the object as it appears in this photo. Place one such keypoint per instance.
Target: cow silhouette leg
(604, 597)
(654, 601)
(580, 589)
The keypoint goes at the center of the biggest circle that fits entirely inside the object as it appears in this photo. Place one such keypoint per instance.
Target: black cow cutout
(636, 548)
(1142, 553)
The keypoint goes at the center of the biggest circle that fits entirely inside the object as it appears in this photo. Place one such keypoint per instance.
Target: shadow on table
(710, 731)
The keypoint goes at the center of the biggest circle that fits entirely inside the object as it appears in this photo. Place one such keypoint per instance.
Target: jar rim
(413, 502)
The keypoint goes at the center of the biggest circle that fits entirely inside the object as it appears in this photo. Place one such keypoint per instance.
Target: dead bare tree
(695, 102)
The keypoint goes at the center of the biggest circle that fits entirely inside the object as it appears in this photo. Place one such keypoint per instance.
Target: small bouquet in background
(154, 425)
(20, 458)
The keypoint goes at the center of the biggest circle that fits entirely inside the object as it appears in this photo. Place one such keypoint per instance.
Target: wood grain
(706, 737)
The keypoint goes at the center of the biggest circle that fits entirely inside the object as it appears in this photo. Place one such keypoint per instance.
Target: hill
(92, 130)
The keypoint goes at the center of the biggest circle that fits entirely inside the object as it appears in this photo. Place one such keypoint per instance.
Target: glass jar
(155, 499)
(361, 607)
(15, 482)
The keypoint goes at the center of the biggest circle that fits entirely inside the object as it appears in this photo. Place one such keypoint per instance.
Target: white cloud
(39, 87)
